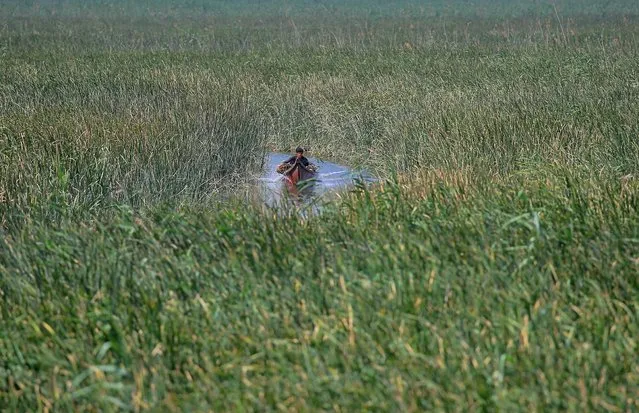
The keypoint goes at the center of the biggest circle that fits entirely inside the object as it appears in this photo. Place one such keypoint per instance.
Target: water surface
(330, 178)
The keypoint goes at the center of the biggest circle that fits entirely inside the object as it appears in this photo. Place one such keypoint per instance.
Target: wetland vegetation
(493, 268)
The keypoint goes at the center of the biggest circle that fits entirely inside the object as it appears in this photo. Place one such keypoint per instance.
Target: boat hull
(295, 174)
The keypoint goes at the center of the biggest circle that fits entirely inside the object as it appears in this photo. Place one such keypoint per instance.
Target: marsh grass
(492, 268)
(91, 143)
(401, 298)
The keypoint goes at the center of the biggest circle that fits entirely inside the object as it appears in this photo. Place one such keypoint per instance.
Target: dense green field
(493, 269)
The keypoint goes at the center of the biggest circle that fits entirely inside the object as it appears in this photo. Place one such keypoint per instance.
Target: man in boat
(296, 169)
(298, 157)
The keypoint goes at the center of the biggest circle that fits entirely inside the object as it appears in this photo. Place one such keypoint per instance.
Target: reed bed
(493, 268)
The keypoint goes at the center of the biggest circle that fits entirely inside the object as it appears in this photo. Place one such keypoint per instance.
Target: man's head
(299, 152)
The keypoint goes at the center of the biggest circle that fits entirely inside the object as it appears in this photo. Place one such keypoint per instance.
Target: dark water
(330, 178)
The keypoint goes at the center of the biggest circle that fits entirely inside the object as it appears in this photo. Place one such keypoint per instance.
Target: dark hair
(299, 150)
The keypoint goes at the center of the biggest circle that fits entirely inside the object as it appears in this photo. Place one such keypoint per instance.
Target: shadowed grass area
(494, 269)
